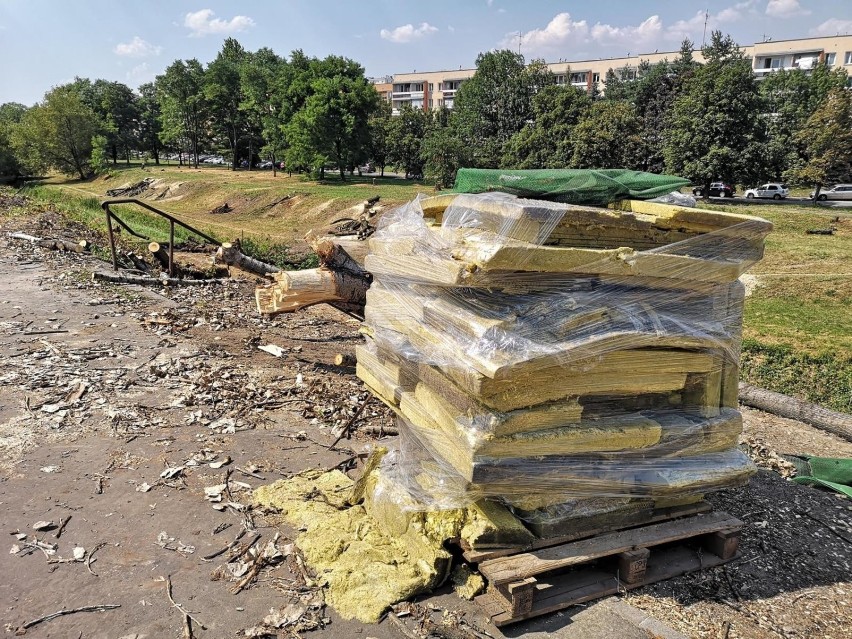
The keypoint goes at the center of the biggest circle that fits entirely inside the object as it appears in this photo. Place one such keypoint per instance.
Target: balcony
(408, 95)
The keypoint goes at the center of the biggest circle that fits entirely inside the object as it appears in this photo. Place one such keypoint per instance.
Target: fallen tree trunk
(125, 278)
(340, 281)
(839, 424)
(231, 255)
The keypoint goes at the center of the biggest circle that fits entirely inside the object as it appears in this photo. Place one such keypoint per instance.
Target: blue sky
(47, 42)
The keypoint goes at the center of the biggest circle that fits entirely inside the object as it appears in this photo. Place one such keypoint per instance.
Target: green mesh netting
(575, 186)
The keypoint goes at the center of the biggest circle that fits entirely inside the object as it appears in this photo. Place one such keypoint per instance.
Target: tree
(714, 126)
(608, 137)
(406, 133)
(826, 139)
(496, 103)
(149, 121)
(223, 93)
(262, 78)
(183, 108)
(791, 97)
(116, 106)
(546, 142)
(332, 123)
(444, 153)
(57, 133)
(380, 131)
(11, 113)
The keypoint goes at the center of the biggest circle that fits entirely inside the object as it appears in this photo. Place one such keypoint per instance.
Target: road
(798, 201)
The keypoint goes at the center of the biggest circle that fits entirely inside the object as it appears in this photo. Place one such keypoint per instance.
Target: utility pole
(706, 18)
(520, 38)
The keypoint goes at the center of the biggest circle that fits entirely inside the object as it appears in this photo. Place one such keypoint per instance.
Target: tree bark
(839, 424)
(231, 255)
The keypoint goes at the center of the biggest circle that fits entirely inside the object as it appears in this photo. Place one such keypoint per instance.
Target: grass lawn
(797, 327)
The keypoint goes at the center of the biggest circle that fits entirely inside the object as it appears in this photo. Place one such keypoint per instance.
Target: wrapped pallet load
(572, 363)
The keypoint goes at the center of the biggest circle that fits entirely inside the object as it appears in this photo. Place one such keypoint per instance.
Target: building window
(830, 58)
(848, 58)
(560, 79)
(430, 87)
(577, 78)
(596, 77)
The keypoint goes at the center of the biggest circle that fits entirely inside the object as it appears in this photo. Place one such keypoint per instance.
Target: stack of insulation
(574, 363)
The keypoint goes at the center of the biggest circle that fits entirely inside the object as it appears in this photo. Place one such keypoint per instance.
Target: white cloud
(140, 74)
(501, 11)
(137, 48)
(785, 9)
(559, 32)
(203, 22)
(408, 32)
(649, 31)
(831, 27)
(451, 28)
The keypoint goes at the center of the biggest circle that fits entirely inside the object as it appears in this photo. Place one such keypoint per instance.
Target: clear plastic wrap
(547, 354)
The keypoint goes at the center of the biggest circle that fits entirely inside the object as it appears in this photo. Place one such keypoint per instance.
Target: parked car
(837, 192)
(717, 189)
(266, 164)
(772, 189)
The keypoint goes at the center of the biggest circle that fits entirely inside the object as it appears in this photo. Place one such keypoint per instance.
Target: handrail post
(171, 248)
(111, 236)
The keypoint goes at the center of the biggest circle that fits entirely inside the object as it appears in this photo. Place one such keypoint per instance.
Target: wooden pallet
(538, 582)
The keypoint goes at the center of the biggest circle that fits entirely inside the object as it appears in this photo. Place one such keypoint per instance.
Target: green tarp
(835, 474)
(574, 186)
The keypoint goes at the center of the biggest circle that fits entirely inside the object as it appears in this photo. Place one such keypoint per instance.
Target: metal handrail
(110, 215)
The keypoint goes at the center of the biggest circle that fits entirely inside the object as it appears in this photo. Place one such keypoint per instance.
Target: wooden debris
(229, 253)
(62, 613)
(188, 619)
(126, 278)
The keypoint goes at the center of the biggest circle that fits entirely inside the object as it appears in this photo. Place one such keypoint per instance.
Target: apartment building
(433, 89)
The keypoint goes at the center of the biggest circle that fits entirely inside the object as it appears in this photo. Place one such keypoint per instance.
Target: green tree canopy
(57, 133)
(333, 122)
(406, 133)
(547, 142)
(183, 107)
(714, 129)
(608, 137)
(11, 113)
(497, 102)
(826, 139)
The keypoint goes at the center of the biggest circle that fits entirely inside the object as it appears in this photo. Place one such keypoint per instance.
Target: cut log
(230, 254)
(124, 278)
(340, 281)
(356, 248)
(839, 424)
(344, 359)
(160, 252)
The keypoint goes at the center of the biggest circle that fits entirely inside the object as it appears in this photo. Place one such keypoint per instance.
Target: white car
(772, 190)
(837, 192)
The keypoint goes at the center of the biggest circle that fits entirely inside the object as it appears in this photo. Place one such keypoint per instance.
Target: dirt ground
(120, 405)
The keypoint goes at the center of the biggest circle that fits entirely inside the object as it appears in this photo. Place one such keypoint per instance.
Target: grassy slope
(249, 193)
(798, 326)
